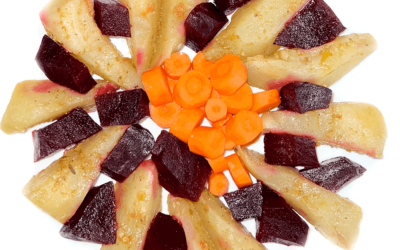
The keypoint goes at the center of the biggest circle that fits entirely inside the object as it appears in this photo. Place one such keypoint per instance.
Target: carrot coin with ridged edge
(244, 127)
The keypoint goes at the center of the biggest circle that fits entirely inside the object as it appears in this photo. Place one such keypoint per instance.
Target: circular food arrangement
(215, 145)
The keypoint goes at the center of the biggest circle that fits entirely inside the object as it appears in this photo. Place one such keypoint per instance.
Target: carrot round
(241, 99)
(244, 127)
(265, 101)
(218, 184)
(177, 65)
(239, 173)
(222, 122)
(192, 90)
(165, 115)
(172, 83)
(215, 110)
(201, 64)
(156, 85)
(219, 164)
(228, 74)
(187, 120)
(214, 94)
(229, 144)
(208, 142)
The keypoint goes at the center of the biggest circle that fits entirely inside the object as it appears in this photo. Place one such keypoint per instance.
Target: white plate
(376, 80)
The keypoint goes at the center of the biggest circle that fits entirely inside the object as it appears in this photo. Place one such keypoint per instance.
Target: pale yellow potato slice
(219, 221)
(357, 127)
(138, 201)
(171, 33)
(35, 102)
(60, 188)
(323, 65)
(71, 23)
(253, 29)
(198, 237)
(336, 218)
(144, 19)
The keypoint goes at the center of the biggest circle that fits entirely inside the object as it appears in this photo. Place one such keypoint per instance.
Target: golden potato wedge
(60, 188)
(253, 29)
(71, 23)
(35, 102)
(138, 200)
(358, 127)
(323, 65)
(336, 218)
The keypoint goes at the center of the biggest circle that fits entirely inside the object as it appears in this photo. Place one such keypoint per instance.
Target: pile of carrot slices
(182, 93)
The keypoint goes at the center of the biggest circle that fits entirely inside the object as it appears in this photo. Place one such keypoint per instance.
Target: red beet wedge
(135, 145)
(290, 150)
(69, 129)
(165, 233)
(112, 18)
(335, 173)
(181, 172)
(62, 68)
(302, 97)
(202, 24)
(314, 25)
(279, 223)
(229, 6)
(122, 108)
(246, 202)
(95, 220)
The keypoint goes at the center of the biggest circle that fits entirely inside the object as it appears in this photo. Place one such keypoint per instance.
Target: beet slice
(335, 173)
(246, 202)
(135, 145)
(181, 172)
(302, 97)
(112, 18)
(229, 6)
(95, 220)
(314, 25)
(279, 223)
(165, 233)
(62, 68)
(290, 150)
(69, 129)
(122, 108)
(202, 24)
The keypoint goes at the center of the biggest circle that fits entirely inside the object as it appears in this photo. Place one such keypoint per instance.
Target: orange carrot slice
(156, 85)
(187, 120)
(177, 65)
(214, 94)
(208, 142)
(216, 110)
(244, 127)
(201, 64)
(219, 164)
(228, 74)
(241, 99)
(239, 173)
(165, 115)
(265, 101)
(222, 122)
(229, 144)
(192, 90)
(172, 83)
(218, 184)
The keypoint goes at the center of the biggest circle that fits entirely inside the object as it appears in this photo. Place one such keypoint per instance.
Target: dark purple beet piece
(112, 18)
(62, 68)
(122, 108)
(133, 147)
(302, 97)
(229, 6)
(246, 202)
(314, 25)
(335, 173)
(181, 172)
(279, 223)
(95, 220)
(202, 24)
(69, 129)
(290, 150)
(165, 233)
